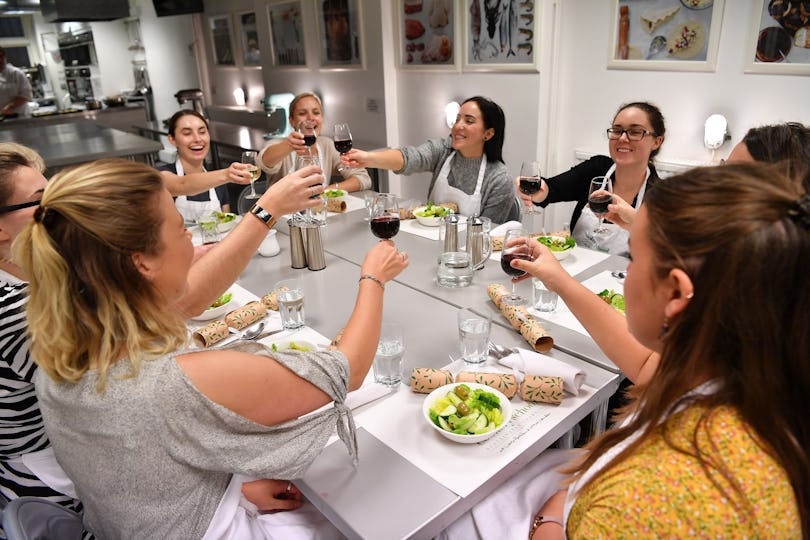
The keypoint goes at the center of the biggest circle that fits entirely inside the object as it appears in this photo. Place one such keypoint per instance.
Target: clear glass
(455, 269)
(387, 364)
(209, 230)
(307, 129)
(473, 335)
(515, 246)
(543, 300)
(291, 303)
(300, 163)
(249, 158)
(600, 194)
(343, 141)
(530, 180)
(368, 199)
(384, 216)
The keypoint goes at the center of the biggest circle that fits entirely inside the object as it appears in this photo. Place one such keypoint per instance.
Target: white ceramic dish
(225, 227)
(335, 193)
(216, 313)
(560, 255)
(287, 345)
(506, 412)
(426, 221)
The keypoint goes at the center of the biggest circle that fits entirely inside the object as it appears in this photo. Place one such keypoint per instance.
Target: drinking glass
(530, 180)
(300, 163)
(249, 158)
(385, 216)
(291, 303)
(343, 141)
(600, 195)
(307, 129)
(543, 300)
(388, 359)
(209, 232)
(368, 200)
(473, 335)
(514, 247)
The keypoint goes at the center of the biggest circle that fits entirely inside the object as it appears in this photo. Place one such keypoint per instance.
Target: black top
(573, 185)
(221, 190)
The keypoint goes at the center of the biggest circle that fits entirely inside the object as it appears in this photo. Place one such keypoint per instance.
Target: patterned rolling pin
(211, 333)
(505, 382)
(270, 300)
(246, 315)
(425, 380)
(542, 389)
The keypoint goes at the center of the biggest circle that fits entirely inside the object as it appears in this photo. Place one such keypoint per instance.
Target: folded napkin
(425, 380)
(521, 320)
(506, 383)
(531, 363)
(542, 389)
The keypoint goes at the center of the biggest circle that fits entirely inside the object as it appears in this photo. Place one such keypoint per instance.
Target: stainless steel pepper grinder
(314, 248)
(298, 255)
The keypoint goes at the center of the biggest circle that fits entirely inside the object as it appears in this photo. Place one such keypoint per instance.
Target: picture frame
(249, 39)
(340, 33)
(428, 40)
(777, 44)
(501, 40)
(222, 40)
(287, 34)
(665, 35)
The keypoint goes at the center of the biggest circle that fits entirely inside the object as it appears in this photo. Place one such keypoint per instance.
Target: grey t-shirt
(151, 457)
(497, 190)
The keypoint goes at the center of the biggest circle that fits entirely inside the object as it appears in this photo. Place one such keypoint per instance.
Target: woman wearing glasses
(635, 137)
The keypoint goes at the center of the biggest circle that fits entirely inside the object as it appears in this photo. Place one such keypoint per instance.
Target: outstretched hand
(384, 262)
(544, 265)
(294, 192)
(620, 213)
(528, 200)
(296, 141)
(238, 173)
(355, 159)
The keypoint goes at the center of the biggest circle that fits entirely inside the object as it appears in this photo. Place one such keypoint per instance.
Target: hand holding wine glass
(306, 161)
(600, 195)
(343, 141)
(515, 246)
(307, 129)
(385, 216)
(530, 181)
(249, 158)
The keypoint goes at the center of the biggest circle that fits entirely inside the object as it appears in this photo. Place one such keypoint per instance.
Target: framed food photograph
(222, 40)
(780, 38)
(427, 34)
(249, 39)
(500, 36)
(665, 35)
(287, 33)
(340, 32)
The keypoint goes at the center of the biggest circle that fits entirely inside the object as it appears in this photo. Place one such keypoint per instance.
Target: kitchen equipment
(479, 244)
(315, 256)
(298, 255)
(92, 104)
(450, 229)
(277, 108)
(193, 95)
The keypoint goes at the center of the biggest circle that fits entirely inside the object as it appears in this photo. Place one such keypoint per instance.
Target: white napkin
(532, 363)
(501, 229)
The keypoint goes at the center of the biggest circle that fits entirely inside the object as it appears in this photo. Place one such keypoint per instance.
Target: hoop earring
(664, 329)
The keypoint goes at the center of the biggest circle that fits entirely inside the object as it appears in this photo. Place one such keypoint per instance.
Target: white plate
(225, 227)
(215, 313)
(506, 412)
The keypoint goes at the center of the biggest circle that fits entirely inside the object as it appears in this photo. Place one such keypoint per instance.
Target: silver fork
(499, 351)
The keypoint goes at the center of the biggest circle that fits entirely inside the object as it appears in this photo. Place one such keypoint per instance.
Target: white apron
(468, 205)
(194, 210)
(614, 240)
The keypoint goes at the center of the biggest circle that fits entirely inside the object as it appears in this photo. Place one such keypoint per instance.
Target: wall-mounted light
(715, 131)
(451, 112)
(239, 97)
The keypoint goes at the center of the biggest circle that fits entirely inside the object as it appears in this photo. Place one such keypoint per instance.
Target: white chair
(30, 518)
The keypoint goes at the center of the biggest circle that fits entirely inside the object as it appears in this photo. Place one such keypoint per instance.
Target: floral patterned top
(662, 492)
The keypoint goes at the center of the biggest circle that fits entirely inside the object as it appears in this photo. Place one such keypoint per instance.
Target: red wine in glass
(343, 146)
(530, 184)
(309, 140)
(506, 263)
(385, 227)
(599, 203)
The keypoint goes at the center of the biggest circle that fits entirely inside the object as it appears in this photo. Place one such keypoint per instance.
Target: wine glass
(300, 163)
(600, 195)
(307, 129)
(343, 141)
(530, 180)
(514, 247)
(385, 216)
(249, 158)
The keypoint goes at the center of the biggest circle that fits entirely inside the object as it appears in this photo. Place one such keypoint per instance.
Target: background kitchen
(556, 112)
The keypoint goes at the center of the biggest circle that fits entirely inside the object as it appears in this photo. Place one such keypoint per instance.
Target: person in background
(115, 373)
(278, 158)
(468, 168)
(15, 89)
(27, 467)
(634, 139)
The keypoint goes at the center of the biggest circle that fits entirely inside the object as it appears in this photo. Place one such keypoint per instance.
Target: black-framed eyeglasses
(15, 207)
(633, 134)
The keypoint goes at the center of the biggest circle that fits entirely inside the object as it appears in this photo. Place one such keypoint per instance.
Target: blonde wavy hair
(89, 305)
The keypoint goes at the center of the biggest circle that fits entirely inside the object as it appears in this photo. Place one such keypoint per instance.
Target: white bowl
(227, 226)
(215, 313)
(560, 255)
(506, 412)
(426, 221)
(335, 193)
(286, 345)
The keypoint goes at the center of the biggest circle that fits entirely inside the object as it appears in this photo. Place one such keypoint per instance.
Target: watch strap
(265, 216)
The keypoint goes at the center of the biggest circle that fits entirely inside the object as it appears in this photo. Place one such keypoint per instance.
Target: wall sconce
(715, 131)
(451, 112)
(239, 97)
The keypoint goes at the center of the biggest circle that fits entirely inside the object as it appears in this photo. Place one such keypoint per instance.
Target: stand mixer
(278, 103)
(195, 96)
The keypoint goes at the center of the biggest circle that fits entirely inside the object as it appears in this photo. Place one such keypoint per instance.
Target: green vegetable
(222, 300)
(482, 408)
(432, 211)
(555, 243)
(616, 300)
(292, 346)
(334, 193)
(224, 217)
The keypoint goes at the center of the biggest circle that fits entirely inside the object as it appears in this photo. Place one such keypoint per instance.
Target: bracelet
(539, 519)
(372, 278)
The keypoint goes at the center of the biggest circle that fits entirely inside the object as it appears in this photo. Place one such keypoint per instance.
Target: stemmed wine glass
(343, 141)
(514, 247)
(300, 163)
(249, 158)
(385, 216)
(307, 129)
(600, 195)
(530, 180)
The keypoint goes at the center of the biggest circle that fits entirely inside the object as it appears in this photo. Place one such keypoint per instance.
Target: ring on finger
(289, 486)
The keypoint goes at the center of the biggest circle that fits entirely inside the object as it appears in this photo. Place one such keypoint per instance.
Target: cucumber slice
(447, 411)
(454, 399)
(480, 423)
(466, 422)
(444, 425)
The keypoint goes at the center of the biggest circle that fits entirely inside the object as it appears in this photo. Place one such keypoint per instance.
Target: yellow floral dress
(664, 493)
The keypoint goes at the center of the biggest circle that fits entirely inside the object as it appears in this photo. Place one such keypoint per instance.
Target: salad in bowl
(430, 215)
(467, 412)
(219, 308)
(560, 246)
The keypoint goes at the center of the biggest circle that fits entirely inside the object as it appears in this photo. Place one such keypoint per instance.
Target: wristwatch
(266, 217)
